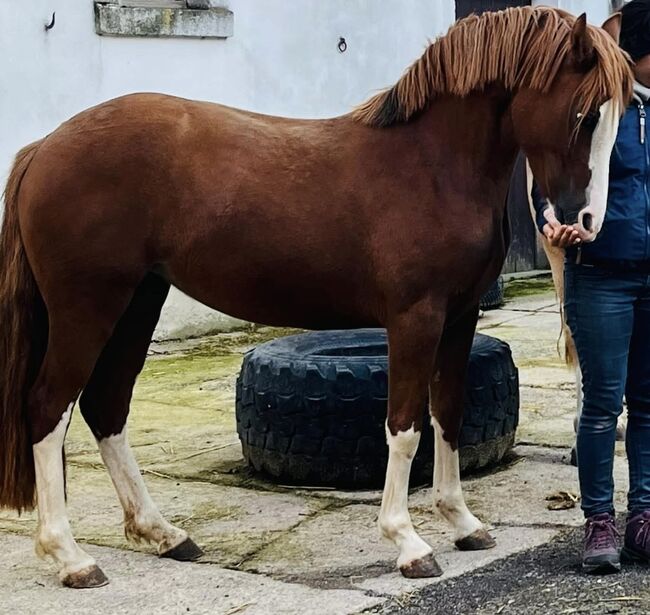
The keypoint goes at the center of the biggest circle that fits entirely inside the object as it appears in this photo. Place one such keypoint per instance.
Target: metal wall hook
(342, 44)
(49, 26)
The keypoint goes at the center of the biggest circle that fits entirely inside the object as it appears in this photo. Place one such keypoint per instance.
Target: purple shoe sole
(602, 565)
(629, 554)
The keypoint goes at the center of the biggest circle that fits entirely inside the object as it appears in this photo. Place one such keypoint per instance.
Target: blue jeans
(609, 316)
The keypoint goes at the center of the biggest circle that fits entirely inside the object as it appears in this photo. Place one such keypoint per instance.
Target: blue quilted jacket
(626, 231)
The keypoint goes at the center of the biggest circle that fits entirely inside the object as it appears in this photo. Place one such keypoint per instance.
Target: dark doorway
(465, 7)
(523, 248)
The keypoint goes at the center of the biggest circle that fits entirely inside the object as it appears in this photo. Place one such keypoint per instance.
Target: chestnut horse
(393, 216)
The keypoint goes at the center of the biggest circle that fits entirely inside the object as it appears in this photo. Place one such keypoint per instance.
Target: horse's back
(224, 203)
(149, 160)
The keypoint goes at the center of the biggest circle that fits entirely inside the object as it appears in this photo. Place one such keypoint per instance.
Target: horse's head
(564, 85)
(568, 129)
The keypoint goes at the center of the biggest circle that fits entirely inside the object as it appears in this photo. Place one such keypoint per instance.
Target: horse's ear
(612, 26)
(582, 44)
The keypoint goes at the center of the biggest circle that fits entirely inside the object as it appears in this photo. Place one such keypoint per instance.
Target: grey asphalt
(546, 580)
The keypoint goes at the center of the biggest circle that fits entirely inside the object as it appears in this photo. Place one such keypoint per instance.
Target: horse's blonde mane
(517, 47)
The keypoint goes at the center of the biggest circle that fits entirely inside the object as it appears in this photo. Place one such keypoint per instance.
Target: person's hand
(559, 235)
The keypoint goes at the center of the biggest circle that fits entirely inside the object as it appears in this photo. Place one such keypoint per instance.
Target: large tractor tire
(311, 409)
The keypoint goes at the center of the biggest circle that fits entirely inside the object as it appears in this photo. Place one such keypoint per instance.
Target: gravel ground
(542, 581)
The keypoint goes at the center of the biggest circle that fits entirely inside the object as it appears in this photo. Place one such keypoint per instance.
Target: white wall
(597, 10)
(283, 59)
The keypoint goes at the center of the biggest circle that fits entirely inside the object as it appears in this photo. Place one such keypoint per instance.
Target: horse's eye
(590, 120)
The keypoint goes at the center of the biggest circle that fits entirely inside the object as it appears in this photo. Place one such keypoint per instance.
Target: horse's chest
(483, 244)
(479, 257)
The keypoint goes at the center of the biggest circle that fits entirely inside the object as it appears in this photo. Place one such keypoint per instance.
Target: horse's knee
(402, 441)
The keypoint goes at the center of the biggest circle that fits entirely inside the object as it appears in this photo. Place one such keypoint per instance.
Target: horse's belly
(277, 300)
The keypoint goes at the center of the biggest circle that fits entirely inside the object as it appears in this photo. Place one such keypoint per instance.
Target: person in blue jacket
(607, 307)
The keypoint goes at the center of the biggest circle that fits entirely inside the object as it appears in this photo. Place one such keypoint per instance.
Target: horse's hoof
(186, 551)
(86, 578)
(478, 541)
(422, 568)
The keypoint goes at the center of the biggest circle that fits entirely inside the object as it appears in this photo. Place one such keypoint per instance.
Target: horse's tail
(23, 336)
(570, 351)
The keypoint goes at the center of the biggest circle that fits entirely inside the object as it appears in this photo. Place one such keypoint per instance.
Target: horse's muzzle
(581, 217)
(587, 225)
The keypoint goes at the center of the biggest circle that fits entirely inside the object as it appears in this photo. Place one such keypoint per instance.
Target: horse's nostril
(587, 221)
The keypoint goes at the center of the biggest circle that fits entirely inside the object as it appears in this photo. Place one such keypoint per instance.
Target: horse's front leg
(446, 406)
(412, 343)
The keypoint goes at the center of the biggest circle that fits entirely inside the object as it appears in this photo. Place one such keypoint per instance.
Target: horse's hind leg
(105, 407)
(78, 329)
(446, 399)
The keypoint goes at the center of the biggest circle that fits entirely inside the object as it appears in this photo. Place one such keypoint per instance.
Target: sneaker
(637, 537)
(601, 546)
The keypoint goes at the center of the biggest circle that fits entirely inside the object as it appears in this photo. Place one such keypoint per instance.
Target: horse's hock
(311, 409)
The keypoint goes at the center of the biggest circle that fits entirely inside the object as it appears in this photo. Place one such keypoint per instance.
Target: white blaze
(602, 143)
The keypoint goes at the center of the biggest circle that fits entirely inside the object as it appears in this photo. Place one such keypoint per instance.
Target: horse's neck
(472, 142)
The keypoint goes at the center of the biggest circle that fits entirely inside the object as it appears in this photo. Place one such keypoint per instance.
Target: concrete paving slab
(334, 544)
(516, 494)
(148, 585)
(546, 417)
(542, 324)
(497, 318)
(545, 301)
(343, 541)
(229, 523)
(342, 549)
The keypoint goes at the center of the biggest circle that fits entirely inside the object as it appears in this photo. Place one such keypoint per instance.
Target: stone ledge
(151, 21)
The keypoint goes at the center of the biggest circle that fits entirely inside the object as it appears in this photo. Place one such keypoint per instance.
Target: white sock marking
(142, 519)
(394, 519)
(447, 491)
(54, 536)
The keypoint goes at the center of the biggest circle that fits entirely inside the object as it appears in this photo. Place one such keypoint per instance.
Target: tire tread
(319, 420)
